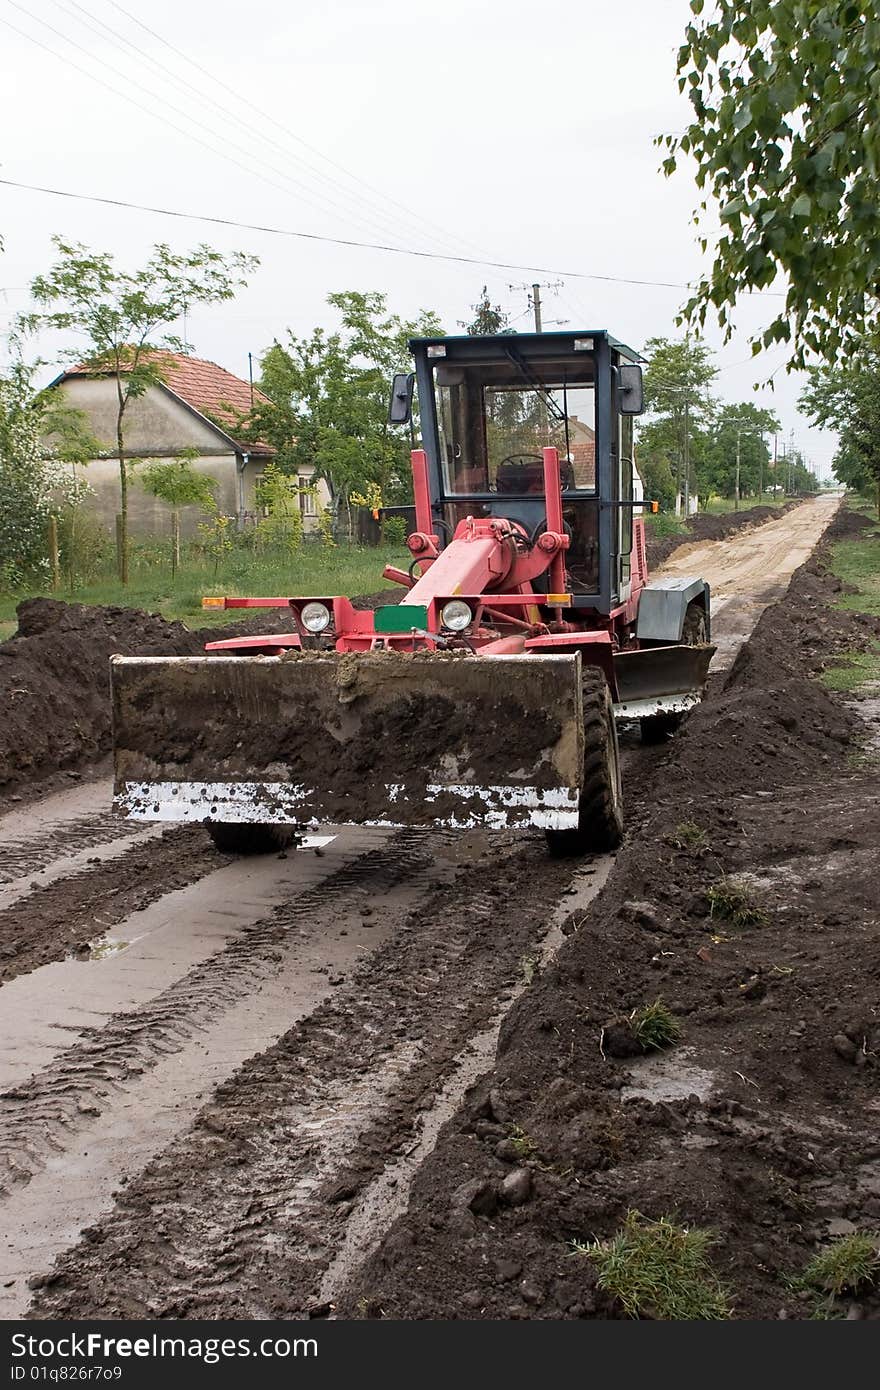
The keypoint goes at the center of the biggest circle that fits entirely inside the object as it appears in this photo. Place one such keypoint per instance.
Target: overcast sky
(503, 130)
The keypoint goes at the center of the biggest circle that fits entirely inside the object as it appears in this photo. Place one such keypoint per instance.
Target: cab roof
(546, 343)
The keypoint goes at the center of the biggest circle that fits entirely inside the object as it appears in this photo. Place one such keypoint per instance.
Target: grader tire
(232, 838)
(660, 727)
(600, 814)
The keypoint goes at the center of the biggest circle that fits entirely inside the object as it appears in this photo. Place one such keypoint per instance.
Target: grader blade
(660, 680)
(375, 738)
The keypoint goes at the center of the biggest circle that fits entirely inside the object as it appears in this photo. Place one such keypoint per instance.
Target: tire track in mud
(39, 1117)
(29, 853)
(243, 1214)
(75, 910)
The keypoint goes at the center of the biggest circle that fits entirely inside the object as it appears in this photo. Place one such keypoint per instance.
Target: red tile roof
(204, 386)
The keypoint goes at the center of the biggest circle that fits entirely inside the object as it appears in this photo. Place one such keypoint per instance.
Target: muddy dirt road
(219, 1075)
(751, 569)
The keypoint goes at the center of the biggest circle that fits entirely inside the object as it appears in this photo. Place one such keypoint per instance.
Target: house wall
(160, 427)
(156, 424)
(147, 516)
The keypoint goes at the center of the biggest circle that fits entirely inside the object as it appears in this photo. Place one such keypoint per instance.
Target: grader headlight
(456, 615)
(315, 617)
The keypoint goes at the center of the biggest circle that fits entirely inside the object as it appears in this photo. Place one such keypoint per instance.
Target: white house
(195, 407)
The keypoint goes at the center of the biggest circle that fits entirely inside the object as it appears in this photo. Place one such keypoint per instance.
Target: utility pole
(687, 458)
(534, 293)
(739, 434)
(251, 376)
(536, 305)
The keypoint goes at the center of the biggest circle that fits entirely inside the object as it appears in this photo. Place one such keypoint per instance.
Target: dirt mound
(706, 527)
(379, 600)
(850, 525)
(745, 900)
(54, 683)
(54, 680)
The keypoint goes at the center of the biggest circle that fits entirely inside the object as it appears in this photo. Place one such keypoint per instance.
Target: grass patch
(665, 524)
(312, 570)
(857, 562)
(855, 670)
(655, 1026)
(848, 1266)
(689, 836)
(660, 1270)
(730, 899)
(720, 506)
(521, 1143)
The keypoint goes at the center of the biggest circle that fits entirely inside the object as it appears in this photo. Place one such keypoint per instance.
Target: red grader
(489, 695)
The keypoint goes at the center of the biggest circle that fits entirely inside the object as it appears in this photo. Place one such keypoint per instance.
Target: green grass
(654, 1026)
(665, 524)
(731, 899)
(857, 562)
(860, 669)
(660, 1270)
(720, 506)
(313, 570)
(849, 1264)
(689, 836)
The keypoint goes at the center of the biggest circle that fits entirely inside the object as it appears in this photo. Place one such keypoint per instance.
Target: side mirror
(400, 408)
(630, 389)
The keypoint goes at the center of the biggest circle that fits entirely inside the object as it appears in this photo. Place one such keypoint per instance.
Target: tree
(279, 493)
(328, 400)
(488, 318)
(677, 381)
(34, 477)
(179, 485)
(125, 317)
(848, 399)
(786, 140)
(738, 458)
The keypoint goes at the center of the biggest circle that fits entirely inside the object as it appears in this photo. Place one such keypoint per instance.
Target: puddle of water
(668, 1076)
(100, 949)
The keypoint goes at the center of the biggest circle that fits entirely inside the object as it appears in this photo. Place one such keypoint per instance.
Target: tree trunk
(123, 506)
(53, 553)
(122, 520)
(175, 541)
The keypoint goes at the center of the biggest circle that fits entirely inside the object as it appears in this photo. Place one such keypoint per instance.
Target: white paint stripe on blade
(281, 803)
(656, 704)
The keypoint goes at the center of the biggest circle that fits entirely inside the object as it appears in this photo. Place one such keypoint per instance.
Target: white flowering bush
(32, 486)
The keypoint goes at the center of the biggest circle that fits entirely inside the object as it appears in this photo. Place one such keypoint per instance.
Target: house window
(308, 502)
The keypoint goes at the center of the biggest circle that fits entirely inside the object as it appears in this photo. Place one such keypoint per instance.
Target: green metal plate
(401, 617)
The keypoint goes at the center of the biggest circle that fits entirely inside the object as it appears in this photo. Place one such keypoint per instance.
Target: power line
(377, 218)
(252, 107)
(339, 241)
(222, 153)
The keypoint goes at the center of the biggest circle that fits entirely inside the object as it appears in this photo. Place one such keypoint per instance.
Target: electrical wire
(222, 153)
(292, 135)
(377, 218)
(332, 240)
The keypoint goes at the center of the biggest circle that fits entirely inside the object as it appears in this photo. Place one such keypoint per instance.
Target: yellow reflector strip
(559, 598)
(213, 602)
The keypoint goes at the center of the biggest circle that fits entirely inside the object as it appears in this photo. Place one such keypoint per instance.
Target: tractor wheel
(232, 838)
(694, 633)
(600, 815)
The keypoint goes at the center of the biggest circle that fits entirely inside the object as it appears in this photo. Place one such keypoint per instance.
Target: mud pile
(760, 1124)
(54, 682)
(54, 678)
(705, 527)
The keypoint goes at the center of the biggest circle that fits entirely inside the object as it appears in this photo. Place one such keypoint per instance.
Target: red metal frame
(490, 566)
